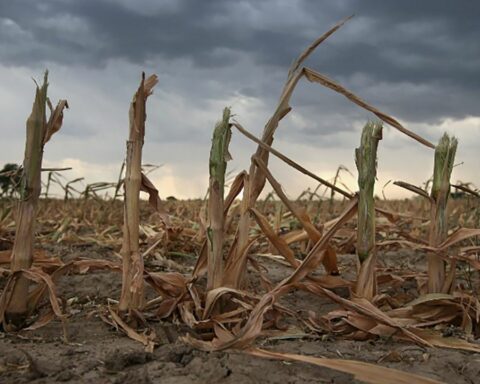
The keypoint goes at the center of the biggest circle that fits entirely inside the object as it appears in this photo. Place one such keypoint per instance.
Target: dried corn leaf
(289, 161)
(413, 188)
(153, 197)
(325, 81)
(56, 119)
(369, 373)
(313, 257)
(146, 340)
(279, 243)
(438, 340)
(171, 284)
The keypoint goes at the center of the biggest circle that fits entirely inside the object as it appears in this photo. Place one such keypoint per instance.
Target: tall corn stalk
(366, 161)
(256, 178)
(444, 159)
(219, 156)
(132, 296)
(39, 132)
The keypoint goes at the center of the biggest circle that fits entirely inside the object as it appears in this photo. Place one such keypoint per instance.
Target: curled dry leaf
(146, 339)
(153, 197)
(169, 284)
(214, 295)
(56, 119)
(38, 276)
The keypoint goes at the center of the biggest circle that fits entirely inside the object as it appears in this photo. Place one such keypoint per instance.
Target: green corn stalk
(219, 156)
(366, 161)
(443, 165)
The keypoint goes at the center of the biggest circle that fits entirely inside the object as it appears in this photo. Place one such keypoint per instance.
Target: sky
(418, 61)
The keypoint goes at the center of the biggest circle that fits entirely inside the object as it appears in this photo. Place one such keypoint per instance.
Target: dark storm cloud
(208, 32)
(414, 41)
(428, 31)
(419, 58)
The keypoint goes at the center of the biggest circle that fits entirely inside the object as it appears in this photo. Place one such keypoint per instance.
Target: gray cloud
(429, 42)
(417, 60)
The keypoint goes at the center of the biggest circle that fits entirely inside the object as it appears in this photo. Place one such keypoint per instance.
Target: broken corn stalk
(366, 161)
(219, 156)
(444, 160)
(39, 132)
(132, 296)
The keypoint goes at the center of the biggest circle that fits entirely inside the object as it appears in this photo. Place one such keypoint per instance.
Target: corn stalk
(132, 296)
(444, 159)
(39, 132)
(366, 161)
(219, 156)
(256, 178)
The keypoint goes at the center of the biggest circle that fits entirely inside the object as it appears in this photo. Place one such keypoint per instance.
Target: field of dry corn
(84, 347)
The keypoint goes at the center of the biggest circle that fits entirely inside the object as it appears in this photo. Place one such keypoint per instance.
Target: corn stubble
(39, 132)
(219, 156)
(442, 170)
(228, 242)
(366, 160)
(132, 296)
